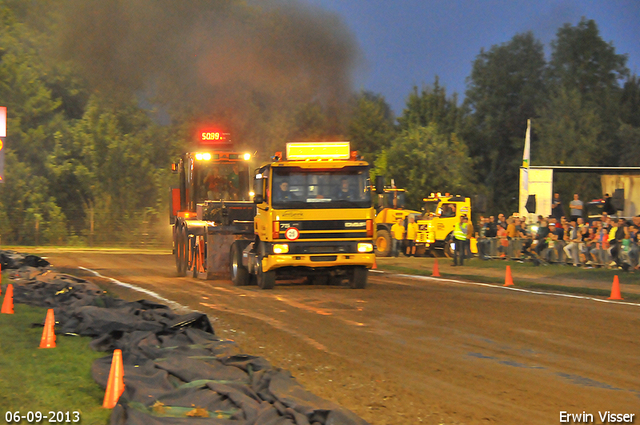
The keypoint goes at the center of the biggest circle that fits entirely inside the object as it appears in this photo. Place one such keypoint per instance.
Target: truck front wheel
(449, 246)
(383, 243)
(239, 274)
(181, 251)
(358, 280)
(266, 280)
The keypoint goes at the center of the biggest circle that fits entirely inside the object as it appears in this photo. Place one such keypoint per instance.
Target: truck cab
(211, 206)
(314, 219)
(391, 208)
(440, 214)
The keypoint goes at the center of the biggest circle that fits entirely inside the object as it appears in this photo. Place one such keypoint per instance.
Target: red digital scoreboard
(211, 137)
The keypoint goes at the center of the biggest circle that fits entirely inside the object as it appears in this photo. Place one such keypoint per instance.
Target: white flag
(527, 146)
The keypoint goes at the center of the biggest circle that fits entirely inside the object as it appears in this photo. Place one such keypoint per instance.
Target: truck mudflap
(217, 253)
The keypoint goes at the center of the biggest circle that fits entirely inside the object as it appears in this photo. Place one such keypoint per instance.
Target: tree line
(88, 166)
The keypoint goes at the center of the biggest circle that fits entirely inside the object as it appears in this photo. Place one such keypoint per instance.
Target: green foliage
(629, 137)
(630, 102)
(371, 125)
(431, 105)
(424, 160)
(68, 152)
(569, 129)
(505, 86)
(428, 155)
(36, 379)
(114, 165)
(582, 60)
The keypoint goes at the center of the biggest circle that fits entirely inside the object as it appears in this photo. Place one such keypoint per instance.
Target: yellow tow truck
(440, 214)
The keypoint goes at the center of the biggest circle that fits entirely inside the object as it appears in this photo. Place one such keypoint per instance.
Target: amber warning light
(319, 150)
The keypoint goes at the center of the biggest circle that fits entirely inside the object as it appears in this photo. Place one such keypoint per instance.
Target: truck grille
(324, 225)
(324, 258)
(345, 235)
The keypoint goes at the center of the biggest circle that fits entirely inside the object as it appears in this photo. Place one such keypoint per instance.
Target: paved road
(410, 351)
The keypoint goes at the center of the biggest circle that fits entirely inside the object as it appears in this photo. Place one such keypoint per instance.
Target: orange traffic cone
(508, 281)
(615, 289)
(115, 385)
(48, 339)
(375, 264)
(436, 270)
(7, 305)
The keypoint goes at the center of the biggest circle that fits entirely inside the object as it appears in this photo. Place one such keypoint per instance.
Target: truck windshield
(302, 188)
(217, 181)
(431, 208)
(394, 199)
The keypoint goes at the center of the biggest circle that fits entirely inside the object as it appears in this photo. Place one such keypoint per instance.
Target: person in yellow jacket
(460, 239)
(412, 233)
(397, 235)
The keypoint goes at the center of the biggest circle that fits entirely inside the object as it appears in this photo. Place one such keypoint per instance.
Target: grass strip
(520, 283)
(596, 274)
(46, 380)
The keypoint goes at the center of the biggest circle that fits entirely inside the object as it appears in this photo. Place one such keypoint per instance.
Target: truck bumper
(273, 262)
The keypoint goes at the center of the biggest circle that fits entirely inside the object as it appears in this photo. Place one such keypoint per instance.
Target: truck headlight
(280, 248)
(365, 247)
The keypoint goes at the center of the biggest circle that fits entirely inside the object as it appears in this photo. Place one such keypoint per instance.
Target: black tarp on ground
(176, 370)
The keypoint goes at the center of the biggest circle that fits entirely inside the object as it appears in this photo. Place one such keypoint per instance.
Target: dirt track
(407, 351)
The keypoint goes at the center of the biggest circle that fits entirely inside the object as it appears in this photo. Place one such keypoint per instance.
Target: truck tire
(176, 247)
(358, 278)
(181, 258)
(448, 248)
(196, 261)
(383, 243)
(266, 280)
(239, 273)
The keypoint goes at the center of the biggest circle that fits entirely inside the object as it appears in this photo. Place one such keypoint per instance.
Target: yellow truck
(391, 209)
(440, 214)
(314, 219)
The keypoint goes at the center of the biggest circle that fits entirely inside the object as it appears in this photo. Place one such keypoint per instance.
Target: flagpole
(524, 173)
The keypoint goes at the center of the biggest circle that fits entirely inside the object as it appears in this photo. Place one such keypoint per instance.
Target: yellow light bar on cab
(318, 150)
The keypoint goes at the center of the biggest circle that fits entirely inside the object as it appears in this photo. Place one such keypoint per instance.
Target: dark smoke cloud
(237, 61)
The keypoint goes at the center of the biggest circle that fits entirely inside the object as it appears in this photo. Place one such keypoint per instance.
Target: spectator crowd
(602, 241)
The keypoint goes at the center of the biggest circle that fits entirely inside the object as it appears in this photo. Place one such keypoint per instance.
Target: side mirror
(258, 188)
(380, 185)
